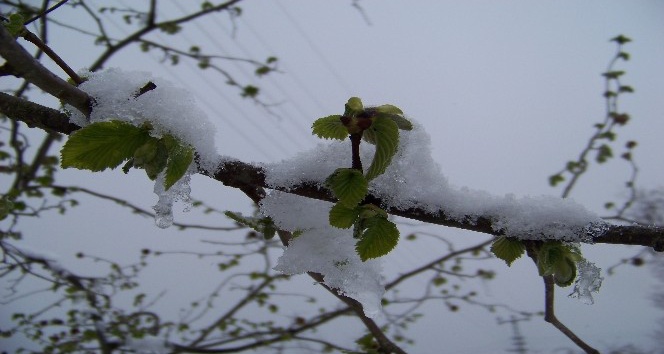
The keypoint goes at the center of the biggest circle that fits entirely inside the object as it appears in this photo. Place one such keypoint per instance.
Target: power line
(240, 68)
(314, 47)
(202, 99)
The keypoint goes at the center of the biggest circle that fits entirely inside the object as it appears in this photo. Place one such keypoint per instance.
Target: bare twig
(34, 72)
(550, 316)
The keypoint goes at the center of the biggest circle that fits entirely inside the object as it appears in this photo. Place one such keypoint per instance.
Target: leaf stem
(355, 140)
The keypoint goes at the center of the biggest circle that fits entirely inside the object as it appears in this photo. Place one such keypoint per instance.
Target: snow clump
(323, 249)
(415, 180)
(167, 108)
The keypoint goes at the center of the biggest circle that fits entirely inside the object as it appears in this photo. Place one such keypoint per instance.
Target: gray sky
(508, 91)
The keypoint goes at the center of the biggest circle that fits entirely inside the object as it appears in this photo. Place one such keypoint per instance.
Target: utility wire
(314, 47)
(202, 99)
(242, 70)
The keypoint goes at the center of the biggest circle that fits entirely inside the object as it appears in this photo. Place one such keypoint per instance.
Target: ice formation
(169, 109)
(323, 249)
(180, 191)
(588, 281)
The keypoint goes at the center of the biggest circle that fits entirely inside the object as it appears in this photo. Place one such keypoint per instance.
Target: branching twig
(550, 316)
(34, 72)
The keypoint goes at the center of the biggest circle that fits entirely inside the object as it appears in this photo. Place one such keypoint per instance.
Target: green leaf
(370, 210)
(559, 260)
(6, 206)
(620, 39)
(180, 157)
(15, 25)
(263, 225)
(604, 153)
(507, 249)
(402, 123)
(565, 273)
(354, 106)
(390, 109)
(102, 145)
(386, 135)
(330, 127)
(613, 74)
(555, 179)
(151, 156)
(342, 216)
(379, 238)
(626, 88)
(348, 185)
(249, 91)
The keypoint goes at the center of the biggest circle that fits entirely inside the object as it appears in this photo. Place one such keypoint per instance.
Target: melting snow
(588, 282)
(324, 249)
(415, 180)
(169, 109)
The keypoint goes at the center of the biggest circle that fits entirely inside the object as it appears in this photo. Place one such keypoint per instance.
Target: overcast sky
(508, 90)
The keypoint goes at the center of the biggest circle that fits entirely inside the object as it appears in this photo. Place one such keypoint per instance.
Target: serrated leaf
(102, 145)
(507, 249)
(371, 210)
(348, 185)
(559, 260)
(180, 157)
(388, 108)
(342, 216)
(378, 239)
(354, 106)
(386, 135)
(402, 123)
(151, 156)
(369, 136)
(330, 127)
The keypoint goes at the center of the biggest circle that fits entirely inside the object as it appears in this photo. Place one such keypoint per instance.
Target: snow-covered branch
(251, 178)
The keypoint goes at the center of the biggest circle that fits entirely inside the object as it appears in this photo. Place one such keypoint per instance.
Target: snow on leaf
(324, 249)
(102, 145)
(168, 109)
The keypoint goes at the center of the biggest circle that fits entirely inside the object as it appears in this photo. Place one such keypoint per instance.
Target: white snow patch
(324, 249)
(148, 345)
(415, 180)
(168, 108)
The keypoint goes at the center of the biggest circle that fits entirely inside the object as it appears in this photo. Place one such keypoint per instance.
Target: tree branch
(25, 66)
(251, 179)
